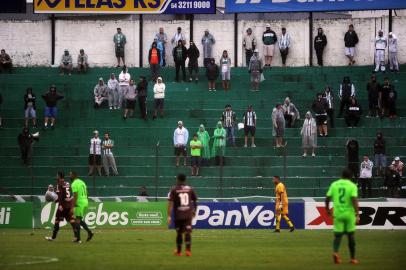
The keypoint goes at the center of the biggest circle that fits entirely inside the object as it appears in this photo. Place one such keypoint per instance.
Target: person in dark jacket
(353, 158)
(320, 42)
(154, 60)
(29, 108)
(142, 88)
(320, 107)
(384, 95)
(329, 97)
(373, 89)
(380, 154)
(51, 99)
(25, 140)
(193, 66)
(392, 97)
(350, 40)
(179, 56)
(392, 182)
(353, 113)
(212, 73)
(347, 91)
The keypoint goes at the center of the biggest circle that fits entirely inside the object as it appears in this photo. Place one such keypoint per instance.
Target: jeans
(230, 136)
(380, 162)
(109, 161)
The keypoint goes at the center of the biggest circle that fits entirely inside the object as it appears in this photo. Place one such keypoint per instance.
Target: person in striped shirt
(284, 44)
(228, 120)
(250, 122)
(108, 157)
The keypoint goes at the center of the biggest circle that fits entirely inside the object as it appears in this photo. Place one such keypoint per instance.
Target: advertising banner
(15, 215)
(241, 6)
(126, 6)
(373, 215)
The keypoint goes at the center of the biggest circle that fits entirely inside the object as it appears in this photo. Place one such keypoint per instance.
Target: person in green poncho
(204, 137)
(219, 144)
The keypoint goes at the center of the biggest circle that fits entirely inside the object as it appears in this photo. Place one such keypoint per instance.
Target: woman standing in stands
(320, 108)
(278, 121)
(225, 63)
(219, 144)
(193, 65)
(29, 107)
(204, 137)
(212, 73)
(309, 134)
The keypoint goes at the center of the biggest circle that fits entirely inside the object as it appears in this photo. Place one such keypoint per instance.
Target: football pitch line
(20, 260)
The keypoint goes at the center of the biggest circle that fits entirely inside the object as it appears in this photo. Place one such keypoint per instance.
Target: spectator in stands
(101, 93)
(309, 134)
(284, 45)
(329, 97)
(180, 140)
(373, 89)
(380, 46)
(51, 99)
(193, 66)
(179, 56)
(255, 69)
(207, 42)
(219, 144)
(119, 40)
(5, 61)
(178, 36)
(130, 99)
(212, 73)
(353, 113)
(278, 124)
(290, 112)
(320, 107)
(159, 97)
(225, 63)
(249, 43)
(393, 52)
(365, 176)
(160, 47)
(347, 91)
(1, 120)
(250, 123)
(162, 38)
(195, 155)
(228, 119)
(320, 42)
(350, 40)
(83, 64)
(380, 154)
(392, 97)
(113, 92)
(154, 59)
(95, 154)
(29, 108)
(142, 89)
(392, 182)
(108, 157)
(204, 137)
(269, 39)
(386, 88)
(398, 165)
(25, 140)
(66, 63)
(353, 157)
(124, 82)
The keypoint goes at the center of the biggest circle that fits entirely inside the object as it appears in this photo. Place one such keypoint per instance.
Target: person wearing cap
(142, 89)
(25, 140)
(83, 64)
(255, 69)
(212, 73)
(101, 93)
(320, 107)
(113, 88)
(393, 52)
(6, 62)
(123, 83)
(30, 108)
(291, 113)
(278, 125)
(178, 36)
(180, 140)
(346, 92)
(320, 42)
(398, 164)
(51, 99)
(350, 40)
(66, 63)
(119, 40)
(225, 63)
(228, 119)
(380, 46)
(162, 38)
(309, 134)
(204, 137)
(269, 39)
(284, 45)
(207, 42)
(195, 154)
(159, 97)
(130, 95)
(154, 59)
(219, 144)
(94, 159)
(249, 43)
(365, 176)
(373, 89)
(179, 54)
(250, 123)
(193, 54)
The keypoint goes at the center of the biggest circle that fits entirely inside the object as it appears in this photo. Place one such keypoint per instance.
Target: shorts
(92, 159)
(51, 112)
(321, 120)
(30, 112)
(183, 225)
(119, 51)
(225, 76)
(79, 211)
(269, 49)
(350, 51)
(159, 103)
(195, 161)
(66, 214)
(180, 150)
(344, 223)
(249, 129)
(130, 104)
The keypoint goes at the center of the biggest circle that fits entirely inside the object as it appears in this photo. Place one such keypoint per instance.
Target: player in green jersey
(344, 194)
(80, 203)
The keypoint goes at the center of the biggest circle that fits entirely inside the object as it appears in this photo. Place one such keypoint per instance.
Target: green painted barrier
(15, 215)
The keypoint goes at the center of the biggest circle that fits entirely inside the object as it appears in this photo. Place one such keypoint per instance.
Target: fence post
(156, 170)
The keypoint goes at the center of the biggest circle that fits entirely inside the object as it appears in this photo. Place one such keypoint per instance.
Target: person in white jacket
(365, 176)
(113, 92)
(159, 96)
(309, 134)
(180, 140)
(393, 52)
(380, 46)
(124, 82)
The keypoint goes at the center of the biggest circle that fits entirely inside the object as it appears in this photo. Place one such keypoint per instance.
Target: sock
(56, 229)
(84, 225)
(179, 242)
(77, 231)
(337, 241)
(351, 245)
(278, 222)
(188, 241)
(73, 228)
(286, 218)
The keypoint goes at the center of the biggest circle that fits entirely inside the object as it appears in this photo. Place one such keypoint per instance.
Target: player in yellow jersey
(281, 205)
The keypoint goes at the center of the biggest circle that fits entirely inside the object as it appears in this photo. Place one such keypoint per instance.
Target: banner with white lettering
(242, 6)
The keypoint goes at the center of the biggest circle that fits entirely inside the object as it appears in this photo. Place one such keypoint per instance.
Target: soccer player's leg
(188, 238)
(339, 229)
(78, 212)
(278, 222)
(179, 237)
(286, 218)
(58, 218)
(350, 226)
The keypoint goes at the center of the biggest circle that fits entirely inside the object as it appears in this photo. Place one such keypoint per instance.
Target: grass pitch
(212, 249)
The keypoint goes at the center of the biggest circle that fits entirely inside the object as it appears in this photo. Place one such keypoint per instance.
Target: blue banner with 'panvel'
(244, 215)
